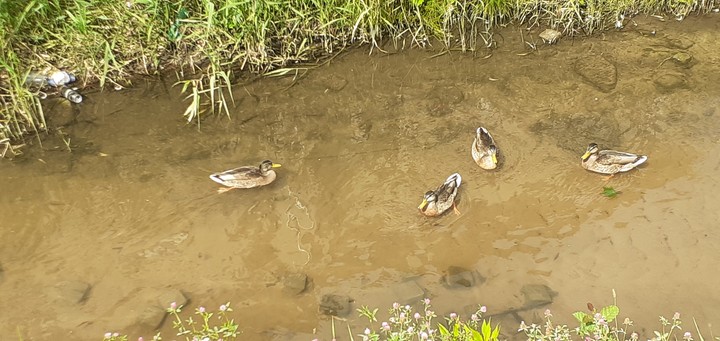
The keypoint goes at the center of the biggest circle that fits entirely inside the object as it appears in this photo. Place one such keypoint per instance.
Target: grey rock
(597, 71)
(680, 43)
(337, 305)
(169, 295)
(669, 82)
(442, 99)
(143, 309)
(71, 291)
(550, 36)
(682, 58)
(408, 292)
(510, 322)
(151, 317)
(295, 284)
(537, 295)
(572, 131)
(62, 113)
(335, 83)
(456, 277)
(531, 316)
(360, 128)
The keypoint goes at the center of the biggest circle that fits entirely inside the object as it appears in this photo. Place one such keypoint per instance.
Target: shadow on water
(131, 207)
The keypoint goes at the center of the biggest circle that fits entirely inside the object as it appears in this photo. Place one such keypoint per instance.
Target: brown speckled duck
(246, 176)
(610, 161)
(440, 200)
(484, 151)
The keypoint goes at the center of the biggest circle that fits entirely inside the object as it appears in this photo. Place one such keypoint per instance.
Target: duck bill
(494, 159)
(276, 165)
(423, 204)
(586, 155)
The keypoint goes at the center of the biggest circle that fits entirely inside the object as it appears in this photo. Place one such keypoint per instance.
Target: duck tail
(456, 178)
(641, 159)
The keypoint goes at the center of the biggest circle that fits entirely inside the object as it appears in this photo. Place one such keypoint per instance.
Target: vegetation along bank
(106, 42)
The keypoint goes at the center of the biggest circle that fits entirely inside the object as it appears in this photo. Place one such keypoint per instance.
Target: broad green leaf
(609, 192)
(582, 317)
(610, 313)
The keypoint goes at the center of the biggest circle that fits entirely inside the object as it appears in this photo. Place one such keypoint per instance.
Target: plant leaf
(609, 192)
(581, 317)
(443, 330)
(610, 313)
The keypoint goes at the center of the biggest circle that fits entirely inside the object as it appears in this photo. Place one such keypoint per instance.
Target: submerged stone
(550, 36)
(456, 277)
(360, 128)
(408, 292)
(669, 82)
(336, 305)
(295, 284)
(71, 291)
(169, 295)
(62, 113)
(680, 43)
(145, 308)
(537, 295)
(151, 317)
(597, 71)
(682, 58)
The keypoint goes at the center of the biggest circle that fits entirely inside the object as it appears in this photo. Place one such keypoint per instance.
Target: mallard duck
(484, 151)
(438, 201)
(610, 161)
(246, 176)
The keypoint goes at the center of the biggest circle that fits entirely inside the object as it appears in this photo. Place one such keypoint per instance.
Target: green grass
(208, 42)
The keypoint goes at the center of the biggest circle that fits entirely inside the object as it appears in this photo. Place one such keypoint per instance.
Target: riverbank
(209, 43)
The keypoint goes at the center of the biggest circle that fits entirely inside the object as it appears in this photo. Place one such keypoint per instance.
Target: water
(360, 141)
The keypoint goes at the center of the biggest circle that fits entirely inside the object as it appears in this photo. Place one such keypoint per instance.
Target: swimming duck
(438, 201)
(246, 176)
(484, 151)
(610, 161)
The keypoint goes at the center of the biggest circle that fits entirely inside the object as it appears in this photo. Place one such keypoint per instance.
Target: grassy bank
(106, 42)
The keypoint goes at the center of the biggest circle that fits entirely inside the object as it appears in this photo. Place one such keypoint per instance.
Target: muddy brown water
(360, 140)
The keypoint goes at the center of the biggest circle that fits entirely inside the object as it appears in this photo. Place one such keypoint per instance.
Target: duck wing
(485, 138)
(240, 173)
(448, 190)
(614, 157)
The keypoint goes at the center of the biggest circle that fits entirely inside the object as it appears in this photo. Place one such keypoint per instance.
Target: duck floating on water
(440, 200)
(484, 151)
(246, 176)
(610, 161)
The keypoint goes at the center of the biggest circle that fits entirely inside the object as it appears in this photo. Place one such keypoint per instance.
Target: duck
(246, 176)
(610, 161)
(436, 202)
(484, 151)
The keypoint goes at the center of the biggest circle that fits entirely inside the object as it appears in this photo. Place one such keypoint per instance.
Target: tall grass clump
(208, 42)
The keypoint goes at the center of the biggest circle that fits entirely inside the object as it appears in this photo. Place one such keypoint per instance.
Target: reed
(209, 42)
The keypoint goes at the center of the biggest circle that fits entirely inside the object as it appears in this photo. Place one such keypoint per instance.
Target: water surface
(360, 140)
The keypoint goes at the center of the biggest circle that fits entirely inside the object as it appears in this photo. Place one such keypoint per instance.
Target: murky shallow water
(360, 141)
